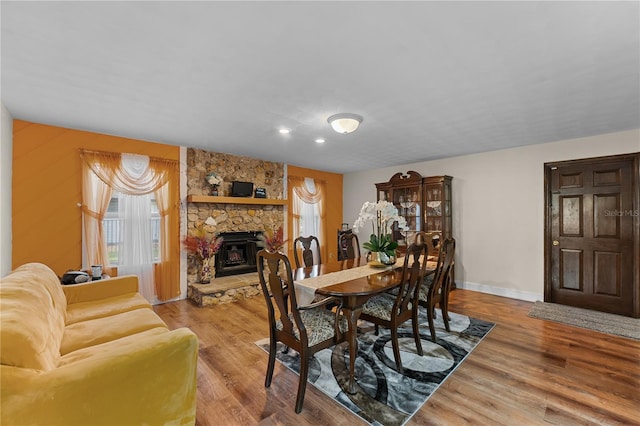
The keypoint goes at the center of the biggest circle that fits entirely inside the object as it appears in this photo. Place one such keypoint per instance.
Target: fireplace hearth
(238, 253)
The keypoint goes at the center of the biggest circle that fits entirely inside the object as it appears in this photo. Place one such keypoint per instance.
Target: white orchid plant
(382, 216)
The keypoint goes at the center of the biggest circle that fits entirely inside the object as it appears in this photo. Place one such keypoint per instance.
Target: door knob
(556, 242)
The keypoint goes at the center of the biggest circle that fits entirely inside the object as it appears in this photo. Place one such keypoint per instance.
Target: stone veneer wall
(231, 217)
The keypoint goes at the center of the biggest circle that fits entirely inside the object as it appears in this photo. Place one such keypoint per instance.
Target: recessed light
(285, 131)
(319, 140)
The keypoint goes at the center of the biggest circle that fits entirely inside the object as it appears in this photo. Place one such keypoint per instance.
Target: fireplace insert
(238, 253)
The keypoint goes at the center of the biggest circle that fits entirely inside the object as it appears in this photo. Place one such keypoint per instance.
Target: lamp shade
(345, 122)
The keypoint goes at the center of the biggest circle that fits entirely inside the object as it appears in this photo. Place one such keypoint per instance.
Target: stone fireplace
(235, 276)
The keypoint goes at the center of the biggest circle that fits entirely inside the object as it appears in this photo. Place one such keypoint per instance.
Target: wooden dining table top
(378, 280)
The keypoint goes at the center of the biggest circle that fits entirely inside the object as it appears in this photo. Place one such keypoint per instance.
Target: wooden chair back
(413, 270)
(437, 290)
(349, 246)
(276, 280)
(304, 246)
(427, 239)
(443, 268)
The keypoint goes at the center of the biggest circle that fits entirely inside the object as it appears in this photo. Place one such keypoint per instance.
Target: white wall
(498, 208)
(6, 161)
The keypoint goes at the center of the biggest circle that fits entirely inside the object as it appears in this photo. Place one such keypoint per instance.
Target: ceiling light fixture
(284, 131)
(345, 122)
(319, 140)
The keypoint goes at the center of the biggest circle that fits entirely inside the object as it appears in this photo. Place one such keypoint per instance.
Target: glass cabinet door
(433, 213)
(408, 202)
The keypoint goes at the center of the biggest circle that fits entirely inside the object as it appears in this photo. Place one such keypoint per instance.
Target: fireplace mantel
(234, 200)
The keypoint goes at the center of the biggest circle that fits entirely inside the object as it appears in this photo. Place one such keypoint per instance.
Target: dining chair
(391, 311)
(306, 245)
(306, 329)
(435, 287)
(349, 246)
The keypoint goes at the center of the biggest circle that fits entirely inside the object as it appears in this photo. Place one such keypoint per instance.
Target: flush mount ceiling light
(345, 122)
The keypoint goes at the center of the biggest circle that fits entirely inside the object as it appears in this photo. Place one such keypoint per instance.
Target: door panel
(591, 233)
(606, 226)
(571, 267)
(571, 216)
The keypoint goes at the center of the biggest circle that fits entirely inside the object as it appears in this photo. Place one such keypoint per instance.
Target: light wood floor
(525, 372)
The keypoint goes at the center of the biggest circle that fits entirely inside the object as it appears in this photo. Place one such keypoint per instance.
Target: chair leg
(444, 303)
(432, 327)
(271, 363)
(416, 333)
(444, 309)
(396, 348)
(302, 385)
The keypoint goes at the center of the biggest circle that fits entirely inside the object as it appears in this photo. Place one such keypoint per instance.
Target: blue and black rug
(384, 396)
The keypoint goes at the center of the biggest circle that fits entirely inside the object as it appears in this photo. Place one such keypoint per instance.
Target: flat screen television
(241, 189)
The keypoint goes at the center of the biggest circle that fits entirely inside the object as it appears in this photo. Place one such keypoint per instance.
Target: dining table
(353, 281)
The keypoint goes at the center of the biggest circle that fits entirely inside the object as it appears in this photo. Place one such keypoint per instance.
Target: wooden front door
(591, 221)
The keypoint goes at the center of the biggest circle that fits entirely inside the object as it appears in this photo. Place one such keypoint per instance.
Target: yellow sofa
(89, 354)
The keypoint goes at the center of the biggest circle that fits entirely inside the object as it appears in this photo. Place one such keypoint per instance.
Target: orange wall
(333, 204)
(47, 186)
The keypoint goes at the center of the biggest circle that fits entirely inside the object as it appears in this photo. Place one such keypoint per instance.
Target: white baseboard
(501, 291)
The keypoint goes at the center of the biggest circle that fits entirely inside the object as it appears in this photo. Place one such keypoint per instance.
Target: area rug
(593, 320)
(384, 396)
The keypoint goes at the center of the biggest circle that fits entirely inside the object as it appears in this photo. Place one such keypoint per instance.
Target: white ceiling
(431, 79)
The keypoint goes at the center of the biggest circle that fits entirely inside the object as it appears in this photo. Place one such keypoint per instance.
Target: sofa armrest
(143, 380)
(101, 289)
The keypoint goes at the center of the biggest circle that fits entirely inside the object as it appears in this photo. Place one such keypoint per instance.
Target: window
(131, 219)
(116, 237)
(308, 209)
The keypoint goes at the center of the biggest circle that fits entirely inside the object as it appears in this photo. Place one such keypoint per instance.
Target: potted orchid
(382, 216)
(215, 181)
(204, 247)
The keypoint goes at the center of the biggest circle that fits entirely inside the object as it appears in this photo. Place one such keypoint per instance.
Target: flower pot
(208, 269)
(379, 259)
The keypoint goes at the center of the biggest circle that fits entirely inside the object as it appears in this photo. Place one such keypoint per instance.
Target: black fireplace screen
(238, 253)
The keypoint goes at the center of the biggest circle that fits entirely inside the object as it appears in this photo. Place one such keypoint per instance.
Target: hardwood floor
(525, 372)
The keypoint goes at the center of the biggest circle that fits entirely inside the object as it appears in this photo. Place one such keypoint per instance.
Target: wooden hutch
(425, 203)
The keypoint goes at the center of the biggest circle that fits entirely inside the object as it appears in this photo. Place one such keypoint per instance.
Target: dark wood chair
(306, 329)
(426, 238)
(435, 287)
(349, 246)
(391, 311)
(304, 245)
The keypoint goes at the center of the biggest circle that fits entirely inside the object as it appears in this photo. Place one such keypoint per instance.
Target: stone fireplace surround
(230, 217)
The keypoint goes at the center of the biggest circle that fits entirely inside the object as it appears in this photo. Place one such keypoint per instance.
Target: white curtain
(141, 175)
(136, 244)
(310, 223)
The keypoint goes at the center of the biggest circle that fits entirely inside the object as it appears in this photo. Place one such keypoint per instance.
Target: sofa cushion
(84, 311)
(32, 317)
(100, 330)
(105, 349)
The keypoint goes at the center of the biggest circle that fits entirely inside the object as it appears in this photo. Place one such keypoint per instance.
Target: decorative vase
(214, 190)
(208, 269)
(380, 259)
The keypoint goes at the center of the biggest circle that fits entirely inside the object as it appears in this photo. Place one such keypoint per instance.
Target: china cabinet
(405, 192)
(425, 203)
